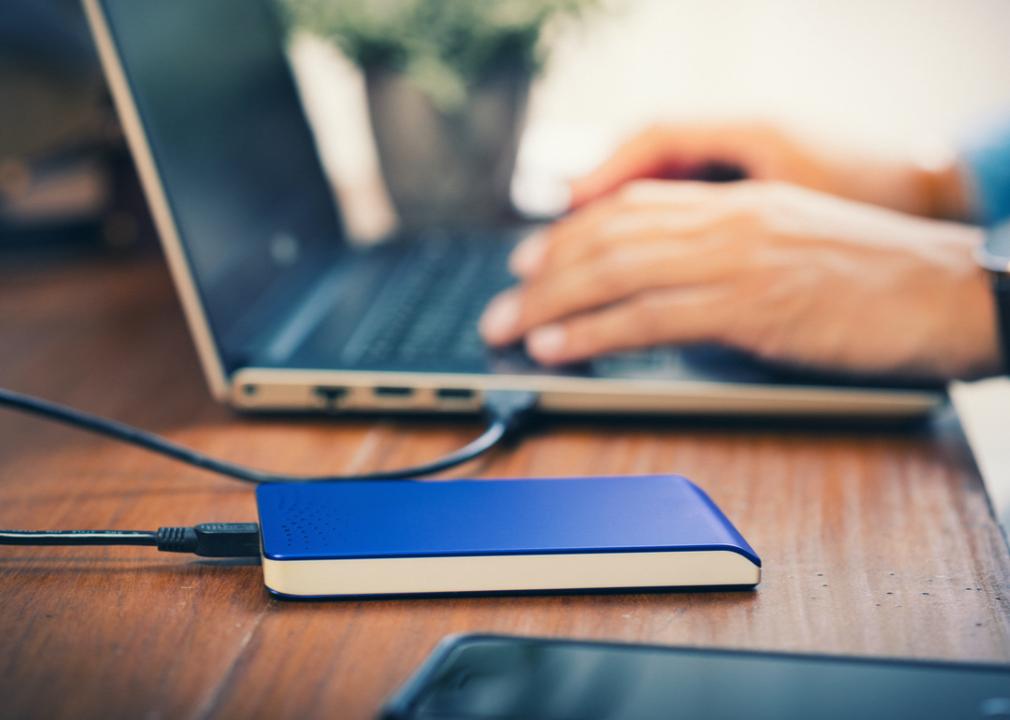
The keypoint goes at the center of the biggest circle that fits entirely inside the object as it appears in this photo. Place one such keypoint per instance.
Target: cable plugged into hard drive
(385, 533)
(505, 411)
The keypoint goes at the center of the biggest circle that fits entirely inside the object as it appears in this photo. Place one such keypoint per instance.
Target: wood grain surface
(874, 541)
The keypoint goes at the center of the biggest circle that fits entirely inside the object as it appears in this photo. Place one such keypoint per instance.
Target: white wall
(894, 74)
(882, 71)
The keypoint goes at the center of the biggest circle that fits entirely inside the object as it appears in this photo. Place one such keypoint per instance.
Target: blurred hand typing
(819, 261)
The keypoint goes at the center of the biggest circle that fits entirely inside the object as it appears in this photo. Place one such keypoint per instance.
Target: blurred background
(898, 77)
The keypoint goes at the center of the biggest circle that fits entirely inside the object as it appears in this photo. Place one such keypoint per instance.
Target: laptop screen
(232, 146)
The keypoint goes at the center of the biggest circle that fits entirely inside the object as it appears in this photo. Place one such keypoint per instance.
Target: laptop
(288, 314)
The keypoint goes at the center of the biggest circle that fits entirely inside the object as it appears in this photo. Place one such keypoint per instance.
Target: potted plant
(447, 84)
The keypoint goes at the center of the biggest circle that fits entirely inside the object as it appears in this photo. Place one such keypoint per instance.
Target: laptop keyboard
(428, 308)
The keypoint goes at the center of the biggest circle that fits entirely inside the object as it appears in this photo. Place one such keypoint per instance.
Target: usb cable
(505, 410)
(206, 540)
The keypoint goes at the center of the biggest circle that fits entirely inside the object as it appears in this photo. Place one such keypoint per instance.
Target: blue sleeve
(987, 162)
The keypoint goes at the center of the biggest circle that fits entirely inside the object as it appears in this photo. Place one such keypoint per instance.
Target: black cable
(206, 540)
(505, 408)
(78, 537)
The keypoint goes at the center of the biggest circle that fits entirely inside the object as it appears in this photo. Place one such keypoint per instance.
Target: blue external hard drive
(413, 537)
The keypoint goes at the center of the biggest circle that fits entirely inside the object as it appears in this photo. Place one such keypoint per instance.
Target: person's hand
(764, 152)
(785, 273)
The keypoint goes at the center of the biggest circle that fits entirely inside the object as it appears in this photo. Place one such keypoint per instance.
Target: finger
(662, 151)
(638, 157)
(663, 317)
(603, 279)
(654, 227)
(681, 207)
(526, 257)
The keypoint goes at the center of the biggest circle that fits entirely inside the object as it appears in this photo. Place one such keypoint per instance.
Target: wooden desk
(873, 542)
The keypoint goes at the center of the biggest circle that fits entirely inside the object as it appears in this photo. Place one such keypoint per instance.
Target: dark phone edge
(401, 703)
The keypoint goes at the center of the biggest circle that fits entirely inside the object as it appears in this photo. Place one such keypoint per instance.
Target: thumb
(672, 152)
(642, 156)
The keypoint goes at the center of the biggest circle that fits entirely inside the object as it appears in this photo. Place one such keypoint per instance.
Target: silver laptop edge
(143, 158)
(285, 389)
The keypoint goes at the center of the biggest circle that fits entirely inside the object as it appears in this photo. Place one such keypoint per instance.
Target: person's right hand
(784, 273)
(763, 152)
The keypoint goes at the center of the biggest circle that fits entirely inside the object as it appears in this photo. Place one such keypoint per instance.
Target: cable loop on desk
(504, 407)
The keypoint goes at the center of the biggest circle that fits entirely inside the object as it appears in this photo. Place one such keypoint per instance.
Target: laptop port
(391, 391)
(455, 394)
(330, 394)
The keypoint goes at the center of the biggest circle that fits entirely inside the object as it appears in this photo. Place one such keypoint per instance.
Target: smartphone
(489, 677)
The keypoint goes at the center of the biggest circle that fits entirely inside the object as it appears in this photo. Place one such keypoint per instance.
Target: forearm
(933, 189)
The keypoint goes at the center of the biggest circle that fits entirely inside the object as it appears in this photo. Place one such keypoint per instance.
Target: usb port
(330, 393)
(454, 394)
(392, 391)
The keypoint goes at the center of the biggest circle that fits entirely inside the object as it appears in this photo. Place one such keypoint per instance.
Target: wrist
(966, 344)
(989, 358)
(976, 314)
(944, 190)
(931, 185)
(993, 258)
